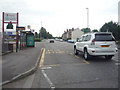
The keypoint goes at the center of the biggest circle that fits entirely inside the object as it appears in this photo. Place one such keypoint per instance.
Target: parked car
(51, 41)
(96, 44)
(61, 40)
(71, 41)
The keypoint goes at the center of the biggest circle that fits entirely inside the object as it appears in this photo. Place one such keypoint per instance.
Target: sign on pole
(10, 16)
(7, 18)
(20, 28)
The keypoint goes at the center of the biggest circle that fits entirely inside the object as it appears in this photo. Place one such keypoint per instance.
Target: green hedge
(38, 39)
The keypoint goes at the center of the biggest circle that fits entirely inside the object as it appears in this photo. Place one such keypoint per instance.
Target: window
(87, 38)
(81, 39)
(104, 37)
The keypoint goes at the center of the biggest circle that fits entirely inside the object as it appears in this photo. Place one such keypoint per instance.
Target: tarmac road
(60, 68)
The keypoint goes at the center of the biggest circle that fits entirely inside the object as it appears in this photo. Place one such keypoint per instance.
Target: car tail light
(93, 42)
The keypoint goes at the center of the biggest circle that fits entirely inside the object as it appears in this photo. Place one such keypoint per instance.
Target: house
(77, 33)
(72, 34)
(64, 36)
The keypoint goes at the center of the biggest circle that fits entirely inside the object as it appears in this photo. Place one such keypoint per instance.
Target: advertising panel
(10, 16)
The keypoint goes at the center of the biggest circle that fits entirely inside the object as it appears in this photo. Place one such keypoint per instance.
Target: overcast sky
(58, 15)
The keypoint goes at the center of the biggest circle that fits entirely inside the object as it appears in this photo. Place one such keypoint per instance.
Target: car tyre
(75, 51)
(86, 54)
(108, 57)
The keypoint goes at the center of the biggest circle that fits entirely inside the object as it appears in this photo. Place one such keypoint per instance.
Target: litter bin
(30, 40)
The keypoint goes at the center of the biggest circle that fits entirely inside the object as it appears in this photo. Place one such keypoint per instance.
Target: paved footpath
(15, 65)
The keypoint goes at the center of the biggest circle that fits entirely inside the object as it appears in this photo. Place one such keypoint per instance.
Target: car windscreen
(104, 37)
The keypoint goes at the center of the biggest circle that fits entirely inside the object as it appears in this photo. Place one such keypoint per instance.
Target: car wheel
(86, 54)
(75, 51)
(108, 57)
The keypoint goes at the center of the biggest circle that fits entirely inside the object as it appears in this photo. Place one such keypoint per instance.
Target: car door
(81, 43)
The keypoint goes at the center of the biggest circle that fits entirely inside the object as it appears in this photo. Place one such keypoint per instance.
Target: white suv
(96, 44)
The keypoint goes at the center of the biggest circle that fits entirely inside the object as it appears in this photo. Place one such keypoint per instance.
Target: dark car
(51, 41)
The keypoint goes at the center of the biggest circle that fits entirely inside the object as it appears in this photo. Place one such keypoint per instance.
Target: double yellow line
(42, 58)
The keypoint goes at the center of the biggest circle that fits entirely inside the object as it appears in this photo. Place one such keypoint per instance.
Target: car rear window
(104, 37)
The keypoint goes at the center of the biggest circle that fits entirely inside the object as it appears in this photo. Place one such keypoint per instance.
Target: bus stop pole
(3, 27)
(17, 35)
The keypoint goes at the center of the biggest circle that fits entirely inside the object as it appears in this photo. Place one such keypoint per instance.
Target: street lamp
(87, 17)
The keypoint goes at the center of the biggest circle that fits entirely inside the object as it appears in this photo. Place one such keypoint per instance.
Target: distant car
(61, 40)
(71, 41)
(51, 41)
(96, 44)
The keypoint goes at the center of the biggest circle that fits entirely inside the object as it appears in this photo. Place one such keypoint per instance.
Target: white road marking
(45, 68)
(48, 80)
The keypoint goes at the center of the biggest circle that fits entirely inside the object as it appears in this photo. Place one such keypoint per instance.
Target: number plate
(104, 45)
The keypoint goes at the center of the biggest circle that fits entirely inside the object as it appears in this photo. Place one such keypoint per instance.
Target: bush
(38, 39)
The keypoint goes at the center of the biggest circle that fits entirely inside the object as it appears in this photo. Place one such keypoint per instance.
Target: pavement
(17, 65)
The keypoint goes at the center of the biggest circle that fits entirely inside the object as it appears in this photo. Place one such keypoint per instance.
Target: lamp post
(87, 17)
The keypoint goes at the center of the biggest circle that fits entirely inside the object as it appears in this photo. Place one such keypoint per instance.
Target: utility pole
(87, 17)
(41, 24)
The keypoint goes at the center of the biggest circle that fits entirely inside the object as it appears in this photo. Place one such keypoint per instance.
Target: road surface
(60, 68)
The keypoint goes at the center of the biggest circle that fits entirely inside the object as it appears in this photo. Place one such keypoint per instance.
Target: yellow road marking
(52, 52)
(71, 53)
(48, 52)
(63, 51)
(52, 65)
(57, 52)
(42, 58)
(86, 62)
(76, 56)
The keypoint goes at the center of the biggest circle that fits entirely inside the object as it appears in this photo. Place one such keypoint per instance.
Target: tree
(111, 27)
(86, 30)
(95, 30)
(44, 34)
(49, 35)
(36, 35)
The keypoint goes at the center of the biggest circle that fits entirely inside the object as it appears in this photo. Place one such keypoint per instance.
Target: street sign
(20, 28)
(10, 16)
